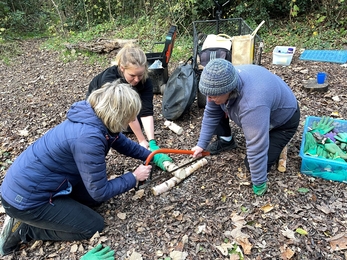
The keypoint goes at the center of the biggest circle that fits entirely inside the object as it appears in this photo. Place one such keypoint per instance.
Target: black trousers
(279, 137)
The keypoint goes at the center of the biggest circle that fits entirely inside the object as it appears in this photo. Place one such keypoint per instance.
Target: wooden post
(282, 162)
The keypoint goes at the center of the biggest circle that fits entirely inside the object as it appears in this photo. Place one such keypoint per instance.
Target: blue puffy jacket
(72, 151)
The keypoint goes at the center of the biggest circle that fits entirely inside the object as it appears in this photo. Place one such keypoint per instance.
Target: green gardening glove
(159, 158)
(310, 146)
(342, 137)
(334, 149)
(324, 126)
(260, 189)
(321, 152)
(153, 145)
(99, 252)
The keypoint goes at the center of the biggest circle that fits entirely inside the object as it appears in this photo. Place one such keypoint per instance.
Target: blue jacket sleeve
(128, 147)
(90, 160)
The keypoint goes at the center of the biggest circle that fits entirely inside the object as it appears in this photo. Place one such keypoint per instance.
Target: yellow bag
(217, 41)
(243, 48)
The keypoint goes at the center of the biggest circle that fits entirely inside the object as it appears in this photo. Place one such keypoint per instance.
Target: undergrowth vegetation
(303, 24)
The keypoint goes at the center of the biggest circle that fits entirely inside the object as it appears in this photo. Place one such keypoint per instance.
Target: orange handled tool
(165, 150)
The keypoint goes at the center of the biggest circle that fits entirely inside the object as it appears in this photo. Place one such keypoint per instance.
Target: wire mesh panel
(231, 27)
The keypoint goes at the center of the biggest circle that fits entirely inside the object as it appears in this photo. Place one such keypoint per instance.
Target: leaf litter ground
(211, 212)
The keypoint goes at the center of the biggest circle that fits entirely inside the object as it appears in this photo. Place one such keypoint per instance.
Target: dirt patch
(204, 211)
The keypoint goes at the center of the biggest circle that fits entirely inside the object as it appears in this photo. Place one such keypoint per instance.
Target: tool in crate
(143, 184)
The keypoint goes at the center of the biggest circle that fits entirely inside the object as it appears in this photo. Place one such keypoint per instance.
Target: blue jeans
(66, 220)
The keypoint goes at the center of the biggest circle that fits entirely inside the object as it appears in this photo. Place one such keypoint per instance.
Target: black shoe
(221, 145)
(10, 236)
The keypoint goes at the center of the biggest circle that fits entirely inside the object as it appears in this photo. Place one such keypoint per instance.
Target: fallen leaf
(201, 229)
(23, 132)
(177, 255)
(303, 190)
(139, 194)
(335, 113)
(336, 98)
(338, 242)
(286, 253)
(121, 215)
(74, 248)
(244, 243)
(288, 233)
(301, 231)
(239, 221)
(224, 248)
(135, 256)
(267, 208)
(324, 208)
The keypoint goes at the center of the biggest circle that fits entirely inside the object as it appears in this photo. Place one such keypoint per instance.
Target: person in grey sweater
(259, 102)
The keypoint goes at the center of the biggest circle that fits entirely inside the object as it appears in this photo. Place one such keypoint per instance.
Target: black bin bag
(180, 92)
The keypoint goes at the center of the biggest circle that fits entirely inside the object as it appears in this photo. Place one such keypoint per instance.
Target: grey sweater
(265, 102)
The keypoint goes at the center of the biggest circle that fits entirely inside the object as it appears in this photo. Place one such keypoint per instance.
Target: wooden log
(174, 127)
(169, 184)
(101, 45)
(282, 162)
(170, 167)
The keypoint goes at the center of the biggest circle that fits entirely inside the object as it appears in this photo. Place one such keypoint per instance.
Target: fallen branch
(167, 185)
(282, 162)
(101, 45)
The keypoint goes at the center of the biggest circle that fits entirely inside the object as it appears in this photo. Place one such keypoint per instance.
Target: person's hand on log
(197, 151)
(142, 172)
(159, 158)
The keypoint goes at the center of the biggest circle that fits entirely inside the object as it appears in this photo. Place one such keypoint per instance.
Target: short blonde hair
(116, 104)
(132, 55)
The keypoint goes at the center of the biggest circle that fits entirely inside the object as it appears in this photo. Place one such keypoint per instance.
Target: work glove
(324, 126)
(153, 145)
(321, 152)
(99, 252)
(333, 148)
(159, 158)
(260, 189)
(342, 137)
(310, 146)
(337, 157)
(331, 136)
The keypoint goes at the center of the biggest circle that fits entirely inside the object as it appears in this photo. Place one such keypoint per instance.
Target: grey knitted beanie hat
(218, 78)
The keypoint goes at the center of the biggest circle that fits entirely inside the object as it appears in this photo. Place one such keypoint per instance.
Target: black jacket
(144, 90)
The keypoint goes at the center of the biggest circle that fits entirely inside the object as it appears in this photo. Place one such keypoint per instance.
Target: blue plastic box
(319, 167)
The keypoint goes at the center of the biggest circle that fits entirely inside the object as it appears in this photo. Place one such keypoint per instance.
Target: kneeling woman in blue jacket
(48, 191)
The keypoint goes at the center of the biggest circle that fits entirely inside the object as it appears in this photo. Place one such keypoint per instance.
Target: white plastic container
(283, 55)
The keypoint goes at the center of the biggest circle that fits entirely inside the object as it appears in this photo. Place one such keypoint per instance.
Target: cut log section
(282, 162)
(169, 184)
(174, 127)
